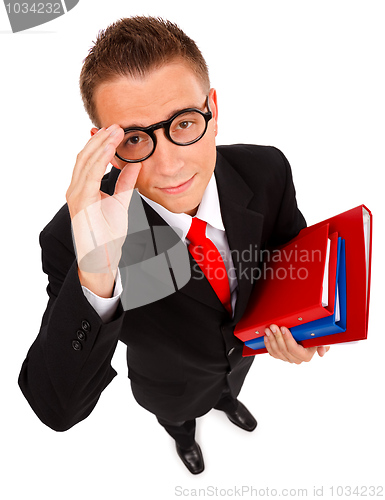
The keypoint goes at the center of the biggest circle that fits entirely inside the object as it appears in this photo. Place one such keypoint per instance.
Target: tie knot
(197, 231)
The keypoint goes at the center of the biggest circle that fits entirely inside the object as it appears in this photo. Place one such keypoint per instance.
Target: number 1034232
(357, 491)
(34, 8)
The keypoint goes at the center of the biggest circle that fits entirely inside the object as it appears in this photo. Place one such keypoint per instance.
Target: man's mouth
(180, 188)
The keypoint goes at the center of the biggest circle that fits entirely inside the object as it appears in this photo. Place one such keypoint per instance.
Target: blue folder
(324, 326)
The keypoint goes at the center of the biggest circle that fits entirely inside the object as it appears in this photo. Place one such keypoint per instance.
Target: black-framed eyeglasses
(184, 128)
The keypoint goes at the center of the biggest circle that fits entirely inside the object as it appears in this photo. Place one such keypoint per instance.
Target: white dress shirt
(210, 212)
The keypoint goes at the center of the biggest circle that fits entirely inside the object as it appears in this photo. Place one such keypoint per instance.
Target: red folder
(289, 300)
(291, 290)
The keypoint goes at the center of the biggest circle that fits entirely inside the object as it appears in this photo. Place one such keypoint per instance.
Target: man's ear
(214, 108)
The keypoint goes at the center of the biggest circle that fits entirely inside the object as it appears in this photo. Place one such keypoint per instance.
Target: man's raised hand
(99, 221)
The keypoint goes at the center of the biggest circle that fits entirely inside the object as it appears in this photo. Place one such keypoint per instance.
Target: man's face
(174, 176)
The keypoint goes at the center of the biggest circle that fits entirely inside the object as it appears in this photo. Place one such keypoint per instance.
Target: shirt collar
(209, 210)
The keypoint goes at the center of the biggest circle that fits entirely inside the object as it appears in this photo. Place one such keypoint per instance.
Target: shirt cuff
(105, 307)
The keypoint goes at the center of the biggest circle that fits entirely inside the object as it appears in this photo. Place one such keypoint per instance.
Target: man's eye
(133, 140)
(184, 125)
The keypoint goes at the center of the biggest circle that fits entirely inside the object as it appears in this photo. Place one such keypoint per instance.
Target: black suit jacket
(181, 350)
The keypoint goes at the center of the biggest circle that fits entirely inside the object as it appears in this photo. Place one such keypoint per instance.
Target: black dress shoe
(192, 458)
(242, 418)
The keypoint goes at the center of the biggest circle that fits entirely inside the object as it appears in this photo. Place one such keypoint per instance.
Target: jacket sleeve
(69, 364)
(289, 220)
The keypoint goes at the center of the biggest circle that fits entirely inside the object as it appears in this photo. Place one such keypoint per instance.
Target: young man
(146, 88)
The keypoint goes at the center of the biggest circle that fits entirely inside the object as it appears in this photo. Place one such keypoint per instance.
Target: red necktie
(209, 260)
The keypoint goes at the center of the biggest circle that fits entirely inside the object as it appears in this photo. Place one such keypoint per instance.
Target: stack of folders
(317, 285)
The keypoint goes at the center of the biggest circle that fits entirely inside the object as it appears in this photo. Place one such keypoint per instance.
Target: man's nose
(166, 157)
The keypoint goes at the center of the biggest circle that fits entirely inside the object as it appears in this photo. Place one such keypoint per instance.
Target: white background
(304, 76)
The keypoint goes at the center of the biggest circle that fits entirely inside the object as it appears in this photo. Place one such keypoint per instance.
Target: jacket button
(81, 335)
(76, 345)
(231, 351)
(86, 326)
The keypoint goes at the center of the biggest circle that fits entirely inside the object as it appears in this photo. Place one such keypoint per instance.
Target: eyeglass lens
(184, 129)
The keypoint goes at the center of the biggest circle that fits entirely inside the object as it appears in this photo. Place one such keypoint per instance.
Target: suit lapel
(243, 229)
(198, 287)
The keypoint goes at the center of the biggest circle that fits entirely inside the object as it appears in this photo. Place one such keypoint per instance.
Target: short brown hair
(134, 46)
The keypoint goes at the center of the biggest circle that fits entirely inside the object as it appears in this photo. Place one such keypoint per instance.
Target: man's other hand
(280, 344)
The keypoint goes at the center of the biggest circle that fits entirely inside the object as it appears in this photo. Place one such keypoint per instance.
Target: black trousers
(184, 432)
